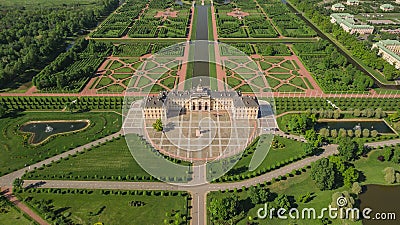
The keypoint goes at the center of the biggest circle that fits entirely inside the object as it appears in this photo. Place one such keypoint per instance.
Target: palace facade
(201, 100)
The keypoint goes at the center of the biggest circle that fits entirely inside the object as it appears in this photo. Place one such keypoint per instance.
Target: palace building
(201, 100)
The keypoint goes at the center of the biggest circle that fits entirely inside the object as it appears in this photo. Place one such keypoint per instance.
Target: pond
(381, 199)
(41, 130)
(378, 125)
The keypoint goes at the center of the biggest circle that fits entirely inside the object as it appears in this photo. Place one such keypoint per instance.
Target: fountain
(357, 127)
(48, 129)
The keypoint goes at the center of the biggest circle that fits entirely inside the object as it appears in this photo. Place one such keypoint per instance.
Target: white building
(338, 7)
(346, 21)
(390, 51)
(201, 100)
(353, 2)
(386, 7)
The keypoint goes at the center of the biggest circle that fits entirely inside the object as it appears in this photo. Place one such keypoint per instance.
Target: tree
(336, 114)
(259, 195)
(334, 133)
(350, 176)
(357, 112)
(350, 133)
(18, 182)
(223, 209)
(158, 125)
(322, 172)
(357, 133)
(390, 175)
(348, 149)
(253, 195)
(356, 188)
(374, 133)
(3, 111)
(309, 149)
(365, 133)
(282, 201)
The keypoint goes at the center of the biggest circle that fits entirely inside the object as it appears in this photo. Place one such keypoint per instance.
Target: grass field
(275, 155)
(91, 165)
(114, 208)
(372, 168)
(13, 217)
(15, 152)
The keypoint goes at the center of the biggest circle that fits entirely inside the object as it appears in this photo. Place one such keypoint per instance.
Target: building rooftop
(382, 45)
(387, 6)
(338, 5)
(200, 92)
(348, 20)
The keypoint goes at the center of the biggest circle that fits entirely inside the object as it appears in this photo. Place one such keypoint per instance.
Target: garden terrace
(175, 25)
(330, 68)
(74, 206)
(253, 25)
(71, 70)
(18, 153)
(118, 23)
(287, 23)
(263, 49)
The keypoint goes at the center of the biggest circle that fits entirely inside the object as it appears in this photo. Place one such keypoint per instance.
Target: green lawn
(292, 149)
(289, 88)
(13, 217)
(115, 88)
(113, 208)
(15, 152)
(373, 168)
(115, 65)
(278, 70)
(91, 165)
(104, 82)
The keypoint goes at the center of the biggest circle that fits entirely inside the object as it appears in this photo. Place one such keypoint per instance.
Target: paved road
(383, 143)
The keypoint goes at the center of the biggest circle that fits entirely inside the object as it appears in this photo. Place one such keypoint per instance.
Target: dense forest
(32, 36)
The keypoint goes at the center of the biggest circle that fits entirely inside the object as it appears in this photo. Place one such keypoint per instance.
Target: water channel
(201, 48)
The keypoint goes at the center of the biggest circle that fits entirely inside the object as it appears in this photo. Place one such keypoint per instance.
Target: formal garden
(107, 206)
(162, 19)
(116, 25)
(253, 25)
(287, 22)
(331, 69)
